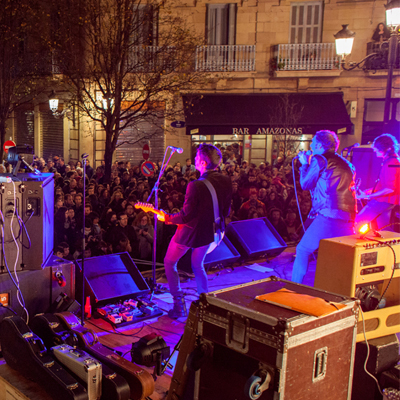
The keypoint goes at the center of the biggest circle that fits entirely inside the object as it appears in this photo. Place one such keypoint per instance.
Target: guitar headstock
(144, 206)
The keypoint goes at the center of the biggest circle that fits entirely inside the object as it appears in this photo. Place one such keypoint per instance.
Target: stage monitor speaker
(255, 238)
(224, 254)
(367, 165)
(363, 268)
(109, 279)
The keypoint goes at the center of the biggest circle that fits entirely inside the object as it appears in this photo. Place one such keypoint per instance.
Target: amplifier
(363, 268)
(40, 288)
(27, 205)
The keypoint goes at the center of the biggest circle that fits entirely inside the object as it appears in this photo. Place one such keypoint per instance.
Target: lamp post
(53, 104)
(344, 43)
(393, 22)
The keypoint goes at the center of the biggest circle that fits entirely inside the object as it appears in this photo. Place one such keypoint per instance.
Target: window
(373, 124)
(221, 24)
(145, 27)
(306, 22)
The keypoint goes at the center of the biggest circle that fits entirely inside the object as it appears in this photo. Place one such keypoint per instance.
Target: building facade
(275, 79)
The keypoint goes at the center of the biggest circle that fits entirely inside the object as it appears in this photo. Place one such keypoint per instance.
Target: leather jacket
(330, 178)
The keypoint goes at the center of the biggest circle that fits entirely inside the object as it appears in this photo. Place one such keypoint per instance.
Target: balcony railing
(380, 60)
(220, 58)
(215, 58)
(304, 57)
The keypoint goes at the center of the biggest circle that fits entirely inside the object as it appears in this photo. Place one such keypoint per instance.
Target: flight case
(237, 347)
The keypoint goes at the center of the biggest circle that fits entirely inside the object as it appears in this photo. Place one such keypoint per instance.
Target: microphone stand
(155, 191)
(84, 157)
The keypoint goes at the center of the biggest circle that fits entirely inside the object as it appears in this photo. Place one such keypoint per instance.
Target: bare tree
(125, 62)
(23, 68)
(286, 119)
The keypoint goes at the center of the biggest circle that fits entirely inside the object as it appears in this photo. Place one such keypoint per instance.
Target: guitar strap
(210, 187)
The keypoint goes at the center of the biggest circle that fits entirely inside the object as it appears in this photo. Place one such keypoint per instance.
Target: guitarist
(387, 186)
(196, 224)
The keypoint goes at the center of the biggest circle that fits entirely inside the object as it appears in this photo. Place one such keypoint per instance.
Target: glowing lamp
(363, 229)
(344, 41)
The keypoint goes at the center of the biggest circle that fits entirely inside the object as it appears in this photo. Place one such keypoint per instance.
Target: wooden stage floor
(171, 331)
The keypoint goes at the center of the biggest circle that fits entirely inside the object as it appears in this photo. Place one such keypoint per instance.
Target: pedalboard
(128, 312)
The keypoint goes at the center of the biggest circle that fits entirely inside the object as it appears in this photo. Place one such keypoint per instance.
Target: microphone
(307, 153)
(177, 149)
(351, 147)
(85, 155)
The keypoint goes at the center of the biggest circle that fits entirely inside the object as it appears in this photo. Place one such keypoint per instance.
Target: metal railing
(380, 60)
(226, 58)
(215, 58)
(304, 57)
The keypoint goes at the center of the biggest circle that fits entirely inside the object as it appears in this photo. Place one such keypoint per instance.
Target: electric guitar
(160, 215)
(147, 207)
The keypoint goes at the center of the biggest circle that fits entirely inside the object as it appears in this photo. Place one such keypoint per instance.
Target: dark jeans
(174, 253)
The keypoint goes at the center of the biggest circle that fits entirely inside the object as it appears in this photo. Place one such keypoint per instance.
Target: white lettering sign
(269, 131)
(240, 131)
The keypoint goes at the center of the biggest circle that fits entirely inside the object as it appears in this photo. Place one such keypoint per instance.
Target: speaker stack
(244, 241)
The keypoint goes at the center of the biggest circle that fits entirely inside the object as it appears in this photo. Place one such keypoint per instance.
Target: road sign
(7, 145)
(178, 124)
(146, 151)
(148, 168)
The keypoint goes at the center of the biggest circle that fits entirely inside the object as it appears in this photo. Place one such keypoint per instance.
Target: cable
(115, 332)
(8, 308)
(26, 231)
(5, 258)
(20, 297)
(296, 195)
(393, 269)
(368, 352)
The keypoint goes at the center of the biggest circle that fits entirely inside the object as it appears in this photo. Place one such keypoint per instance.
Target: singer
(196, 224)
(330, 178)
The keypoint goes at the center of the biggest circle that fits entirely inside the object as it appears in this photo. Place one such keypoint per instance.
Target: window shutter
(306, 22)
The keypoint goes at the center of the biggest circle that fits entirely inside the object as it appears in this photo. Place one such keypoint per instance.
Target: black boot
(179, 309)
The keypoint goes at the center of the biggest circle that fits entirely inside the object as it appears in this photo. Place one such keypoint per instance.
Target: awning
(266, 114)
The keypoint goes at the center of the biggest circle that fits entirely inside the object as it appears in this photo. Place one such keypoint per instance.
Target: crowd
(113, 223)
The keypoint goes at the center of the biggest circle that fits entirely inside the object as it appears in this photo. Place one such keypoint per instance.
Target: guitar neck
(150, 208)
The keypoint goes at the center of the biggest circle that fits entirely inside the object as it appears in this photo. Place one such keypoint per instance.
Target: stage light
(364, 229)
(150, 350)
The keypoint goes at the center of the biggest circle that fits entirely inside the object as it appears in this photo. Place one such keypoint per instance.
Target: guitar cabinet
(238, 347)
(364, 268)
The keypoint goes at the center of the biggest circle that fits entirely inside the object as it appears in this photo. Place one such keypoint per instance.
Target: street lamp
(344, 42)
(53, 104)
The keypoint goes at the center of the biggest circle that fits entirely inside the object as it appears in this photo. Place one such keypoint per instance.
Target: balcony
(215, 58)
(226, 58)
(380, 60)
(308, 59)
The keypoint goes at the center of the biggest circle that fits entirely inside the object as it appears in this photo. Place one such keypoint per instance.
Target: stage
(121, 338)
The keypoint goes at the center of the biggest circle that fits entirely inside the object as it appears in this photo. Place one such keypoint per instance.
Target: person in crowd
(330, 179)
(292, 225)
(188, 167)
(196, 224)
(145, 235)
(275, 217)
(252, 202)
